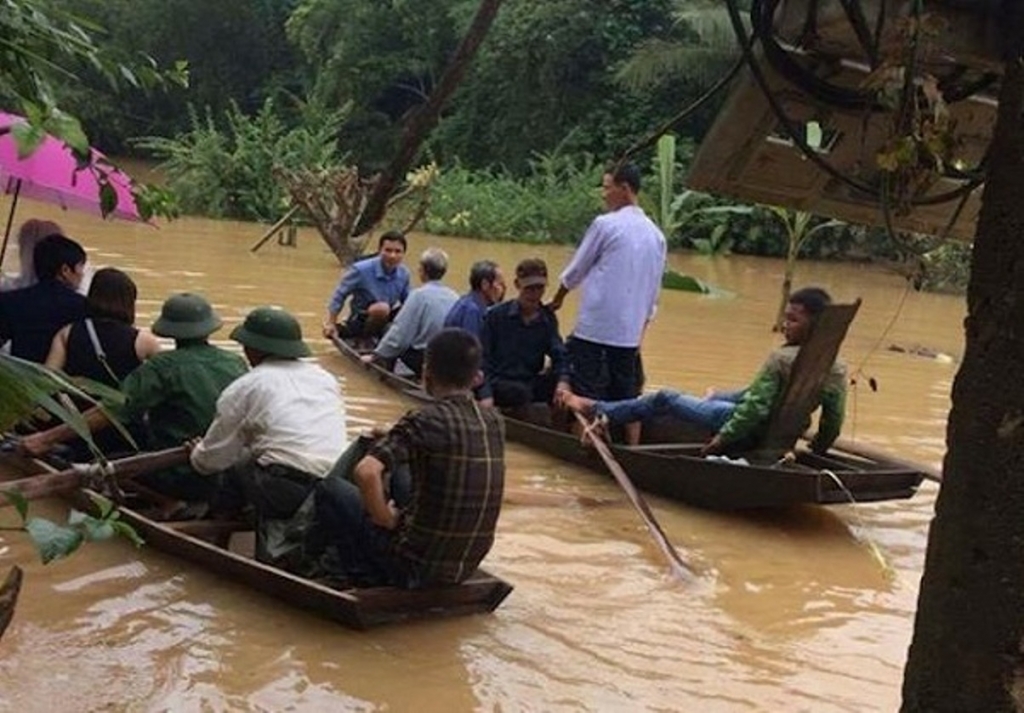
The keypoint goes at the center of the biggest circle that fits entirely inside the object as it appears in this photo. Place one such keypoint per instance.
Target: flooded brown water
(793, 611)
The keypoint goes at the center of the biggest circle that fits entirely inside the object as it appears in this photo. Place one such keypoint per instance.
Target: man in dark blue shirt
(486, 288)
(378, 286)
(516, 337)
(29, 317)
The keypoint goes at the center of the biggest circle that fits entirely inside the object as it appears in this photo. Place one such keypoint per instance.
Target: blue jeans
(710, 413)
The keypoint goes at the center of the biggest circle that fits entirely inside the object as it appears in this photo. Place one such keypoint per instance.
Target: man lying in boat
(422, 316)
(739, 419)
(278, 429)
(517, 337)
(172, 397)
(448, 457)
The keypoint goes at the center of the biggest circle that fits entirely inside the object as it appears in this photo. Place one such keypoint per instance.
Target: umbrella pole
(10, 221)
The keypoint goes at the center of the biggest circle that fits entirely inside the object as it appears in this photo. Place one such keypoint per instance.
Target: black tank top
(118, 342)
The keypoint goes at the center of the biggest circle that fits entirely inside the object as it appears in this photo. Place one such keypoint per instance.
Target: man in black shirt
(516, 337)
(29, 317)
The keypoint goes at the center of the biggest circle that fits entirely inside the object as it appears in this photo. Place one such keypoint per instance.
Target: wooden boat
(217, 547)
(673, 468)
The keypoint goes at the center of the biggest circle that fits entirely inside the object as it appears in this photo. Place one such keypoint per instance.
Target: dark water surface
(804, 610)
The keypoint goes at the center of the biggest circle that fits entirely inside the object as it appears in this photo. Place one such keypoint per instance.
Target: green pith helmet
(272, 331)
(186, 316)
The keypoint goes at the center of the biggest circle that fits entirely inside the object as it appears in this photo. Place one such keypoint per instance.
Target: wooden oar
(676, 564)
(872, 453)
(47, 484)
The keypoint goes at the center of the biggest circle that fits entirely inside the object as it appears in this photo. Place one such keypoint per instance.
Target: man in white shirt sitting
(279, 428)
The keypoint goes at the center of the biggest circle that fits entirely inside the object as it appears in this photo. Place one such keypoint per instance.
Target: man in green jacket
(173, 395)
(739, 419)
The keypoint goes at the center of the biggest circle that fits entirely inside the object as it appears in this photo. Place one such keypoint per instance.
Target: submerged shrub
(227, 172)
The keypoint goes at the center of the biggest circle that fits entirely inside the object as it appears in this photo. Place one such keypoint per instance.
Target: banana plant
(800, 227)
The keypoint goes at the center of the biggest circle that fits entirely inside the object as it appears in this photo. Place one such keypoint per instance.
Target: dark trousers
(604, 372)
(515, 394)
(273, 491)
(361, 551)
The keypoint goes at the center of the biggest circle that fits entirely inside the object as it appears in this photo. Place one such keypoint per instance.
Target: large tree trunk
(425, 117)
(968, 648)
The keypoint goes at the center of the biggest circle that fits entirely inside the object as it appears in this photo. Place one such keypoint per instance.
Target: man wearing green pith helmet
(279, 428)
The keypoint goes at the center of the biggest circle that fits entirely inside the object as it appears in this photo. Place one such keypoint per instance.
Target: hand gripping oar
(46, 484)
(676, 564)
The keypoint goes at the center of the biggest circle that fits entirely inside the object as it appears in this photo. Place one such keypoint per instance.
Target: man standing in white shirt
(280, 427)
(619, 264)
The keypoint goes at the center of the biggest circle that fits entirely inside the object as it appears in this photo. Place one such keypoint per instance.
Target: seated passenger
(517, 336)
(739, 419)
(279, 428)
(171, 397)
(378, 286)
(31, 232)
(29, 317)
(105, 346)
(486, 288)
(422, 316)
(450, 453)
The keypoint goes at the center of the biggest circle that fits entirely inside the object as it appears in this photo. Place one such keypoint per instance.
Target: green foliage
(673, 280)
(54, 541)
(547, 69)
(946, 268)
(26, 386)
(554, 202)
(229, 173)
(383, 58)
(236, 50)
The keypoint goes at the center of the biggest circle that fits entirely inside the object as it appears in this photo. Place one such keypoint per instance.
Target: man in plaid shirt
(433, 522)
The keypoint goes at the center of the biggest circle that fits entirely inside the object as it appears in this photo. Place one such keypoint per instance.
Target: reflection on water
(793, 612)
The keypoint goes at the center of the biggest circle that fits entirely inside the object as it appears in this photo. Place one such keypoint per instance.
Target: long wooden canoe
(209, 545)
(673, 468)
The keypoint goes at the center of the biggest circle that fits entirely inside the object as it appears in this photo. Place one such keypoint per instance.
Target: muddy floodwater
(802, 610)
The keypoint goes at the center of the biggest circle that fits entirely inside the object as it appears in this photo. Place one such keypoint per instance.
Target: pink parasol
(51, 174)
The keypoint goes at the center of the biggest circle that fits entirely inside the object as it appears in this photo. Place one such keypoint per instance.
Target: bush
(553, 203)
(229, 172)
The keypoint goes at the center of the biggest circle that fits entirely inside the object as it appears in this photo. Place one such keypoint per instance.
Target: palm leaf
(26, 387)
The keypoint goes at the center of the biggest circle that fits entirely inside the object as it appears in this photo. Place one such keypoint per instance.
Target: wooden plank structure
(807, 377)
(835, 48)
(206, 543)
(672, 466)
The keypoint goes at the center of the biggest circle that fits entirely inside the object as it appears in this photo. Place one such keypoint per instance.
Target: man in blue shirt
(486, 288)
(29, 317)
(517, 336)
(378, 286)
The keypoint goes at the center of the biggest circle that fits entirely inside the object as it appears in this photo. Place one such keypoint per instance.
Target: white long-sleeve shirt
(619, 263)
(284, 411)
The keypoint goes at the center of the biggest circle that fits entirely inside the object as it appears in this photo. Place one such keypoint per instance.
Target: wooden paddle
(676, 564)
(47, 484)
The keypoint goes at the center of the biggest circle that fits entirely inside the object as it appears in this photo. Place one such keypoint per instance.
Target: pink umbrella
(51, 173)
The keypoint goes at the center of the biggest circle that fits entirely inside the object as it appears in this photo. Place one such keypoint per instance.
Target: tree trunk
(967, 652)
(425, 118)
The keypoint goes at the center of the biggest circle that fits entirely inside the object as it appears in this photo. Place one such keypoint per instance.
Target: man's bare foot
(579, 404)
